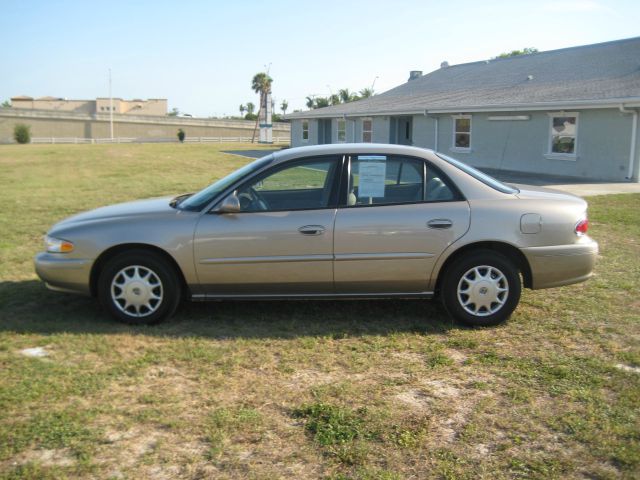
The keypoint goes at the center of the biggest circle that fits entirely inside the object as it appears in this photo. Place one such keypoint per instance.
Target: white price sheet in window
(372, 172)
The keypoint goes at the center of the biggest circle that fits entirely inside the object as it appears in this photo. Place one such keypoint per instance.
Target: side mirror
(231, 204)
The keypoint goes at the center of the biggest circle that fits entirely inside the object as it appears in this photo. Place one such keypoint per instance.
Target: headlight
(56, 245)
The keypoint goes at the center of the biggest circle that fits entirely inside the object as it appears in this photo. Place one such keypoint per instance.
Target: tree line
(343, 96)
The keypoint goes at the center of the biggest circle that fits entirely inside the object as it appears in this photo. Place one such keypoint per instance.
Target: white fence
(68, 140)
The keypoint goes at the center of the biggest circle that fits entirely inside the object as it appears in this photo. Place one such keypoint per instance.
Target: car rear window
(478, 175)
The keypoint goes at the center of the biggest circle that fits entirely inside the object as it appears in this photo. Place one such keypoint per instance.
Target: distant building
(152, 106)
(570, 112)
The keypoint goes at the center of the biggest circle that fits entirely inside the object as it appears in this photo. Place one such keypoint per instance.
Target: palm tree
(322, 102)
(242, 110)
(366, 93)
(334, 99)
(345, 95)
(283, 106)
(311, 103)
(261, 83)
(250, 108)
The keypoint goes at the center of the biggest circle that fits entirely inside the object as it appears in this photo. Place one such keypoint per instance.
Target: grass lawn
(340, 390)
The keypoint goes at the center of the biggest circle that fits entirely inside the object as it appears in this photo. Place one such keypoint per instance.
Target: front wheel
(139, 287)
(481, 289)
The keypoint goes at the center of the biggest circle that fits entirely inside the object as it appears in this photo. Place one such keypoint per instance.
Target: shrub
(181, 135)
(331, 424)
(22, 133)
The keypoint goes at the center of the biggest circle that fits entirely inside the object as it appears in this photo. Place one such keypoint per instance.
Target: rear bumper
(561, 264)
(64, 274)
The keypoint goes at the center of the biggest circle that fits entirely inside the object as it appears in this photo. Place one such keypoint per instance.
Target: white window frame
(454, 131)
(367, 119)
(571, 157)
(344, 130)
(305, 122)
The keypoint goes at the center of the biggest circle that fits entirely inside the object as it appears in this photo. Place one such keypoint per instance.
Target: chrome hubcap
(136, 291)
(483, 290)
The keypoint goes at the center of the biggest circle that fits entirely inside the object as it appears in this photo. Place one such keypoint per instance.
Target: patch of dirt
(455, 355)
(450, 404)
(627, 368)
(136, 443)
(481, 449)
(113, 436)
(150, 453)
(163, 472)
(47, 458)
(409, 356)
(415, 398)
(165, 380)
(421, 398)
(441, 389)
(305, 378)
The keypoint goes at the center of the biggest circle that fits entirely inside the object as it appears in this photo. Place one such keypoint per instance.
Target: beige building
(151, 107)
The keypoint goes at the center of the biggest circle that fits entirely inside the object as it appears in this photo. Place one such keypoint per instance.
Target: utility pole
(373, 84)
(110, 107)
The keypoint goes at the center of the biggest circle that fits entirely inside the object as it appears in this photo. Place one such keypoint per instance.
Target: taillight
(582, 226)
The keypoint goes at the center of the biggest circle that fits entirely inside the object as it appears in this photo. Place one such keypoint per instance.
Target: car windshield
(199, 200)
(478, 175)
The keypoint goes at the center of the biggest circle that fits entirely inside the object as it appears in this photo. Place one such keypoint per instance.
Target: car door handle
(439, 223)
(311, 230)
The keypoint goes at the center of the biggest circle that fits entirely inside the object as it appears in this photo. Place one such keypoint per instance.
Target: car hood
(149, 207)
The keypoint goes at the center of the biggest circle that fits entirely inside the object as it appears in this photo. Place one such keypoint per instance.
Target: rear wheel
(481, 289)
(139, 287)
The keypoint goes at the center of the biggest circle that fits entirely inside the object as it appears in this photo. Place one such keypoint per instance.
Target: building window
(342, 130)
(367, 130)
(563, 134)
(462, 132)
(305, 130)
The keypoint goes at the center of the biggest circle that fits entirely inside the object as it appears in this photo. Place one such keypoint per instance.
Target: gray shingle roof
(589, 74)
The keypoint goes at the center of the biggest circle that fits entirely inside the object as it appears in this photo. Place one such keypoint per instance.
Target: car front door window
(304, 185)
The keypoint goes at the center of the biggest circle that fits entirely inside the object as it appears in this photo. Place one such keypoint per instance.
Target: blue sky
(201, 55)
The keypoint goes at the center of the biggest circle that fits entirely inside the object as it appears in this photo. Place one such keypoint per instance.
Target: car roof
(347, 148)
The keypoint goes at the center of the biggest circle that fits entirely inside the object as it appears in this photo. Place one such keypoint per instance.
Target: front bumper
(559, 265)
(61, 273)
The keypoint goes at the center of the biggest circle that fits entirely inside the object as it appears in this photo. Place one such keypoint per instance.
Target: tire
(481, 288)
(139, 287)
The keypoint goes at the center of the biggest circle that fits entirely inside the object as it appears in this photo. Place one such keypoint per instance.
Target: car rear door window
(384, 180)
(391, 179)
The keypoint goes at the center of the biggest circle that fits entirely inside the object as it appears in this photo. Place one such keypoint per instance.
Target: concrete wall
(602, 149)
(152, 106)
(47, 124)
(78, 106)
